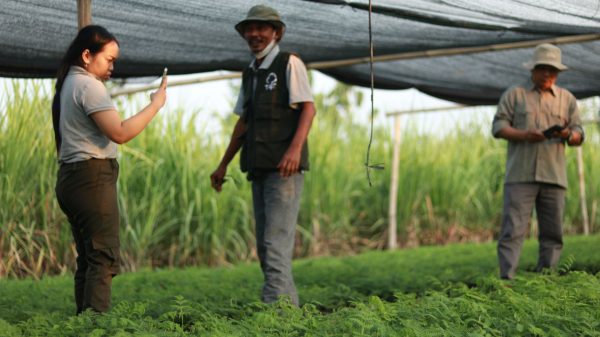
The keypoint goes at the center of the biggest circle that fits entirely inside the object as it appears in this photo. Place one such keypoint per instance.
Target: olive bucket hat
(262, 13)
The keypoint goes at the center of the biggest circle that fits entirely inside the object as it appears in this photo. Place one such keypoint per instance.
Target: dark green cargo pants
(87, 194)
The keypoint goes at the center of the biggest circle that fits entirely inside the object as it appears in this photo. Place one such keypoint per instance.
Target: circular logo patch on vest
(271, 82)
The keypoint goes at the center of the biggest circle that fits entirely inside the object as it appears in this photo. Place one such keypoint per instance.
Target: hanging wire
(367, 164)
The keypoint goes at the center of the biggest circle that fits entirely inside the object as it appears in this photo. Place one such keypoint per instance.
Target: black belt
(87, 162)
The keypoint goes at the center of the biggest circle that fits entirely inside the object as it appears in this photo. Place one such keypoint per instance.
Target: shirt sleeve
(574, 117)
(297, 82)
(505, 112)
(94, 97)
(239, 104)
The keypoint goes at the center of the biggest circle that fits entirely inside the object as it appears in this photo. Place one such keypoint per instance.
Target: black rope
(367, 164)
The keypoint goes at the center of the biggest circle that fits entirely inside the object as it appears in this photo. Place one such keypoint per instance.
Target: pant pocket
(104, 261)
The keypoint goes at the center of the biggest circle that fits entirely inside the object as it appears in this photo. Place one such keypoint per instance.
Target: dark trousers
(87, 194)
(519, 200)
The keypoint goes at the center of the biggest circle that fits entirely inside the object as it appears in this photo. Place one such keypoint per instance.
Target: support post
(393, 207)
(582, 199)
(84, 13)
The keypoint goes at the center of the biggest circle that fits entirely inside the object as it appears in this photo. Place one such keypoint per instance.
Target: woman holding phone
(87, 129)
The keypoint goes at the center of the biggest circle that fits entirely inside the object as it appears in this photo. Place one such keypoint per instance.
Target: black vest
(270, 120)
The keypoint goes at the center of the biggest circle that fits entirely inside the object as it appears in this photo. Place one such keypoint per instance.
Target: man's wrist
(295, 147)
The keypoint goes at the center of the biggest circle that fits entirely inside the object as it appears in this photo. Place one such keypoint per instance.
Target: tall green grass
(450, 188)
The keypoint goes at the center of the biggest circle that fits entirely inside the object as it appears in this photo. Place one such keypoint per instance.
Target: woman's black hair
(92, 38)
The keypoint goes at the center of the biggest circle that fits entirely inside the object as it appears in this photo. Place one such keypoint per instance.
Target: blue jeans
(276, 206)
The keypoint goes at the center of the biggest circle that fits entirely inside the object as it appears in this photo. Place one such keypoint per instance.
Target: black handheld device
(554, 128)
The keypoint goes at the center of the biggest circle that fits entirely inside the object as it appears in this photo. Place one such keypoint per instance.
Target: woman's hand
(159, 97)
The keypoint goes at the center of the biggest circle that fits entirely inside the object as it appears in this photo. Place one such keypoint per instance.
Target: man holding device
(276, 110)
(537, 119)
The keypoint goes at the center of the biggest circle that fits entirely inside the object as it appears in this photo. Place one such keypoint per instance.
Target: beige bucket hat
(548, 54)
(264, 14)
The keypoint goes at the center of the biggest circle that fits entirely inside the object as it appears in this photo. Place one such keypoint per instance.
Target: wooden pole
(84, 13)
(454, 51)
(393, 208)
(415, 111)
(400, 56)
(127, 91)
(582, 199)
(581, 176)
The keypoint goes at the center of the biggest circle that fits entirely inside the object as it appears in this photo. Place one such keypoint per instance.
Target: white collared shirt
(297, 81)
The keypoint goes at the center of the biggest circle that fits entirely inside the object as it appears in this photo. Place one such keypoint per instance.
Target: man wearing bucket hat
(537, 119)
(276, 110)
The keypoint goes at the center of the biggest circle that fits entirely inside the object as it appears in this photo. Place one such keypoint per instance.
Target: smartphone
(554, 128)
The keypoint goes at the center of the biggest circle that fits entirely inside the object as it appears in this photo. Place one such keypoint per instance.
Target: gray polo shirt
(82, 95)
(523, 107)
